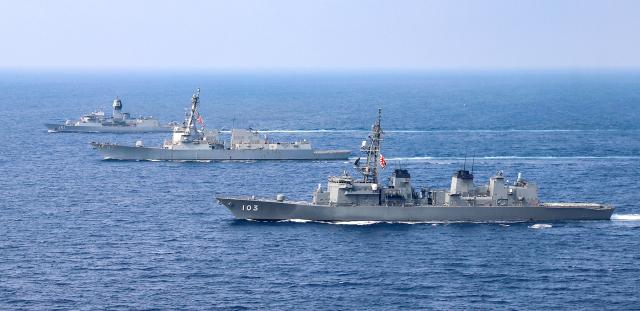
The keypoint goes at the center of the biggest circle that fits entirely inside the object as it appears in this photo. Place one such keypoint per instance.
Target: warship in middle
(365, 199)
(190, 143)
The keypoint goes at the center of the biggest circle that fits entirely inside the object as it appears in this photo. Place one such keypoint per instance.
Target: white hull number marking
(251, 208)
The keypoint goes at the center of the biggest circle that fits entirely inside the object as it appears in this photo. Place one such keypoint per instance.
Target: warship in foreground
(118, 122)
(348, 199)
(190, 143)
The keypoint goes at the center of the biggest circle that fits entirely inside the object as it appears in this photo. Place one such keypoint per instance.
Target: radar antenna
(371, 149)
(464, 166)
(473, 162)
(191, 118)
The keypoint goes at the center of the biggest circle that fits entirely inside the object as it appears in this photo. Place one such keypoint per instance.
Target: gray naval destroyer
(190, 143)
(348, 199)
(117, 122)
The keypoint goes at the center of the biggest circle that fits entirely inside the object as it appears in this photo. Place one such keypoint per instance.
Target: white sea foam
(432, 223)
(431, 131)
(540, 226)
(614, 217)
(313, 131)
(551, 157)
(625, 217)
(492, 158)
(414, 159)
(435, 223)
(305, 131)
(297, 220)
(356, 223)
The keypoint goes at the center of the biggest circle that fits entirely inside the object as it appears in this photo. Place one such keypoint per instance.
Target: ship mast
(372, 150)
(195, 101)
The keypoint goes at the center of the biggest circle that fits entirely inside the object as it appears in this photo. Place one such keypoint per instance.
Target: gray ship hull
(55, 128)
(118, 152)
(246, 208)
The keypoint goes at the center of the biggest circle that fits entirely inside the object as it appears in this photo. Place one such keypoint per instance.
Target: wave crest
(425, 158)
(438, 130)
(625, 217)
(540, 226)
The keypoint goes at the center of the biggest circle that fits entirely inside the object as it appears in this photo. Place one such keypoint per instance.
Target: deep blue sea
(81, 233)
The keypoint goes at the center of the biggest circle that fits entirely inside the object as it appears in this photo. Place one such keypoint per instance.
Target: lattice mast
(193, 114)
(371, 148)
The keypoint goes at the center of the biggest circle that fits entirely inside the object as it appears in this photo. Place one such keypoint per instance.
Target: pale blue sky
(268, 35)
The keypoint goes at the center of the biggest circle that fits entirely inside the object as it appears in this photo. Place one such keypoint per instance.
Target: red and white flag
(200, 120)
(383, 163)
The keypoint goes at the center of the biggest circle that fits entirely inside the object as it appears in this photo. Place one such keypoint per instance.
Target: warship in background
(190, 143)
(365, 199)
(118, 122)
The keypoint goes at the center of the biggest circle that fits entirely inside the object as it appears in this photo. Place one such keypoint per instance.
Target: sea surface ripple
(80, 233)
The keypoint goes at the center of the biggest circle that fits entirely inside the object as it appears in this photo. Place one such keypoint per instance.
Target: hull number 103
(249, 207)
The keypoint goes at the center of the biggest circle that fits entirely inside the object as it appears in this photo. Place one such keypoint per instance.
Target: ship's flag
(383, 163)
(200, 120)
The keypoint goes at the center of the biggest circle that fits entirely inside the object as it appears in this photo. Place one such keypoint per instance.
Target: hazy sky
(341, 34)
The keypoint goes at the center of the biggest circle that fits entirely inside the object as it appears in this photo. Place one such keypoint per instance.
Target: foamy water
(497, 158)
(76, 230)
(356, 223)
(338, 131)
(625, 217)
(297, 220)
(540, 226)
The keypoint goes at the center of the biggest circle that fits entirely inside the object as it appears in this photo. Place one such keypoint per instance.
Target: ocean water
(78, 232)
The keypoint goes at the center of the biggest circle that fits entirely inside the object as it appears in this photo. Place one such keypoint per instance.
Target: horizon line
(275, 70)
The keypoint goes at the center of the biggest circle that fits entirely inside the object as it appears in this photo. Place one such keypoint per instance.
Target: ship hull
(243, 208)
(118, 152)
(61, 128)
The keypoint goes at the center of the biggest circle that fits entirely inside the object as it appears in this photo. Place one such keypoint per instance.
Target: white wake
(431, 130)
(625, 217)
(540, 226)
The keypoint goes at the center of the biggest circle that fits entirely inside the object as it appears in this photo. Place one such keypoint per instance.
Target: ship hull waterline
(251, 209)
(60, 128)
(131, 153)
